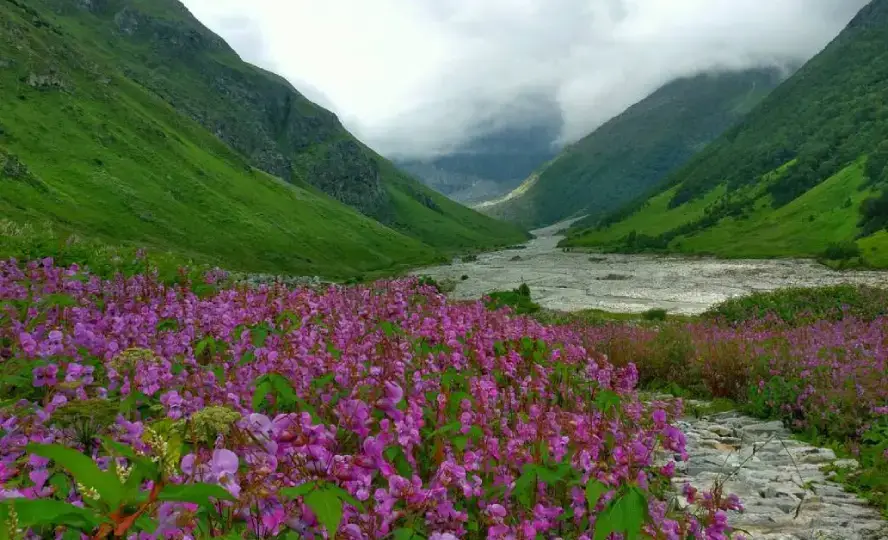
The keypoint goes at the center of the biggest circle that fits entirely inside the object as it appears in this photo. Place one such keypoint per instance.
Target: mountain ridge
(634, 150)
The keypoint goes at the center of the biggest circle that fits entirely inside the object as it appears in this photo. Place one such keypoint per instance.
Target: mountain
(634, 151)
(130, 122)
(495, 162)
(802, 175)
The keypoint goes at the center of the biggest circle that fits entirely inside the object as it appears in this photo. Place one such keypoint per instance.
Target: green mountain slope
(104, 134)
(635, 150)
(802, 172)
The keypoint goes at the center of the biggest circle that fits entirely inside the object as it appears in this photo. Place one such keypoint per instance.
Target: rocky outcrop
(46, 81)
(13, 169)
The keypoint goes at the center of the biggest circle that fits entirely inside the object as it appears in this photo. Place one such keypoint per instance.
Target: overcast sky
(415, 77)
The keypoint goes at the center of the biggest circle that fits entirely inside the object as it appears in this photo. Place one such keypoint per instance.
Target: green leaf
(247, 358)
(446, 428)
(396, 455)
(456, 399)
(194, 493)
(283, 387)
(594, 491)
(61, 484)
(461, 441)
(345, 496)
(263, 388)
(84, 470)
(219, 372)
(167, 324)
(33, 512)
(147, 468)
(525, 484)
(626, 515)
(259, 334)
(334, 352)
(452, 379)
(321, 382)
(327, 507)
(202, 345)
(606, 400)
(57, 300)
(299, 491)
(405, 534)
(389, 328)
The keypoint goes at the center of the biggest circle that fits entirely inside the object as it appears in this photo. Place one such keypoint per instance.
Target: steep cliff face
(159, 45)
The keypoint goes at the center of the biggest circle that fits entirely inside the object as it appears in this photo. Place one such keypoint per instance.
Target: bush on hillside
(874, 214)
(842, 251)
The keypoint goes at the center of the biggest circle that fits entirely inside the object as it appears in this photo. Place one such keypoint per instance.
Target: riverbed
(573, 281)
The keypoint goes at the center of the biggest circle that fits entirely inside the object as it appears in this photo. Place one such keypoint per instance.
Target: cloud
(414, 78)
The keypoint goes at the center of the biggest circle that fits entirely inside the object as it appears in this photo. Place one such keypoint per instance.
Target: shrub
(842, 251)
(655, 314)
(518, 299)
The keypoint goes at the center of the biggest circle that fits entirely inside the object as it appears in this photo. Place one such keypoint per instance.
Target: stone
(778, 479)
(846, 464)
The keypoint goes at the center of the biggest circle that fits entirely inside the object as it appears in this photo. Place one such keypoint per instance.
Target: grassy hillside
(636, 150)
(104, 134)
(804, 171)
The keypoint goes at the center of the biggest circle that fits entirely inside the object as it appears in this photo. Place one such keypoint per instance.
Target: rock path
(779, 480)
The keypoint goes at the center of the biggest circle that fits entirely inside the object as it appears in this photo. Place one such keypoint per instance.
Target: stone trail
(779, 480)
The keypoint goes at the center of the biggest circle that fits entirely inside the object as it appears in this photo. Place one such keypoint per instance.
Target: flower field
(827, 380)
(133, 408)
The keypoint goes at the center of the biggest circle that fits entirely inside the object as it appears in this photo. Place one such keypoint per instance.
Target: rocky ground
(779, 480)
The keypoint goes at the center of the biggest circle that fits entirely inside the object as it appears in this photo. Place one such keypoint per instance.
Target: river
(631, 283)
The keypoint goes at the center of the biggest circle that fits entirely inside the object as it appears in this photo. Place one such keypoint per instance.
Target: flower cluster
(450, 420)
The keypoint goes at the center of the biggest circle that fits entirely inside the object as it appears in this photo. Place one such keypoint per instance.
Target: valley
(225, 315)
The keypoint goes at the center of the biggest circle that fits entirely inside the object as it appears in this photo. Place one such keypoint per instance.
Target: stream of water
(572, 281)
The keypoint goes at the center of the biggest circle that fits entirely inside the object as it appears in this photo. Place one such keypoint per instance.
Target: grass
(810, 226)
(654, 218)
(826, 214)
(112, 162)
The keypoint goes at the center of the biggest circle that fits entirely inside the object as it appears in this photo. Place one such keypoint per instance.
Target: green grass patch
(801, 306)
(518, 299)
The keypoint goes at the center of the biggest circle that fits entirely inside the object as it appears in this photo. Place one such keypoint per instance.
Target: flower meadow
(827, 379)
(134, 408)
